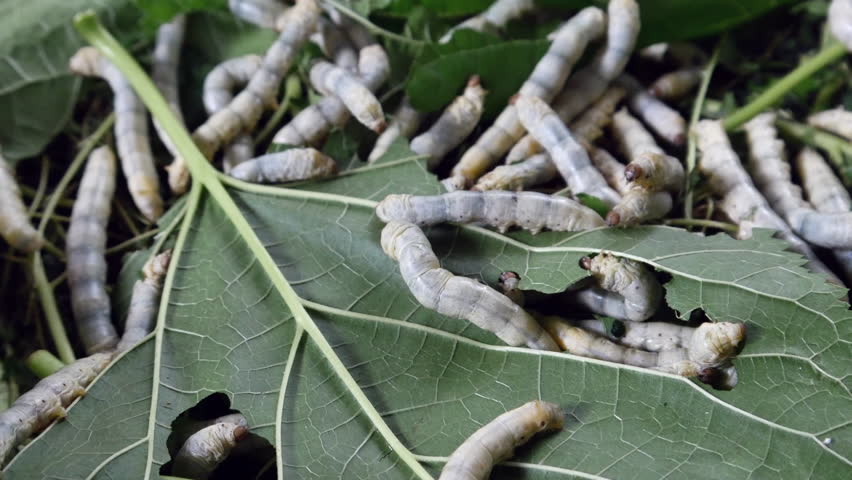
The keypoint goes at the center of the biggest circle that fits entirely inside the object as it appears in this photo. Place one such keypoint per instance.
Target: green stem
(42, 363)
(292, 89)
(130, 242)
(204, 175)
(839, 149)
(373, 27)
(42, 185)
(829, 54)
(691, 145)
(697, 222)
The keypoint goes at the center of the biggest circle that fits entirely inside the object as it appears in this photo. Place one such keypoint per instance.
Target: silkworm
(840, 21)
(709, 346)
(15, 225)
(144, 302)
(131, 132)
(287, 166)
(453, 126)
(567, 154)
(219, 86)
(649, 336)
(589, 83)
(244, 111)
(87, 267)
(625, 289)
(47, 401)
(495, 17)
(675, 85)
(771, 173)
(681, 54)
(611, 169)
(649, 167)
(312, 124)
(259, 12)
(459, 297)
(164, 70)
(509, 282)
(837, 120)
(496, 441)
(545, 81)
(664, 120)
(332, 80)
(335, 44)
(531, 211)
(357, 33)
(404, 123)
(639, 205)
(206, 449)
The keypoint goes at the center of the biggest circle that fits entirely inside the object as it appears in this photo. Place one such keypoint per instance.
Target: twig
(839, 149)
(697, 222)
(292, 89)
(42, 363)
(133, 241)
(691, 146)
(372, 26)
(42, 185)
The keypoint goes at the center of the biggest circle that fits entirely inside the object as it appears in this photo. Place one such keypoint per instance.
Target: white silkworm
(312, 124)
(664, 120)
(453, 126)
(567, 154)
(144, 302)
(509, 282)
(675, 85)
(649, 336)
(531, 211)
(404, 123)
(639, 205)
(131, 132)
(287, 166)
(334, 43)
(837, 120)
(840, 21)
(87, 267)
(625, 289)
(219, 86)
(259, 12)
(682, 54)
(495, 17)
(611, 169)
(825, 192)
(47, 401)
(331, 80)
(590, 82)
(206, 449)
(459, 297)
(15, 226)
(164, 70)
(545, 81)
(632, 137)
(496, 441)
(244, 111)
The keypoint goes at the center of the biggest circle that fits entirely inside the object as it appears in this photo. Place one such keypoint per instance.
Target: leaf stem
(292, 89)
(42, 185)
(697, 222)
(828, 54)
(372, 26)
(132, 241)
(42, 363)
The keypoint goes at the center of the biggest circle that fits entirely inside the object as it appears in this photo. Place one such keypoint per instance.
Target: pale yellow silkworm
(567, 154)
(86, 244)
(287, 166)
(664, 120)
(311, 126)
(244, 111)
(837, 120)
(15, 226)
(639, 205)
(144, 302)
(675, 85)
(164, 70)
(331, 80)
(496, 441)
(531, 211)
(219, 86)
(544, 82)
(624, 290)
(495, 17)
(453, 126)
(335, 44)
(206, 449)
(404, 123)
(47, 401)
(131, 132)
(840, 21)
(259, 12)
(440, 290)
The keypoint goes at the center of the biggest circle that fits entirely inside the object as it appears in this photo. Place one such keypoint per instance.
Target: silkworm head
(709, 376)
(85, 61)
(612, 218)
(393, 207)
(240, 433)
(550, 416)
(632, 172)
(473, 81)
(586, 263)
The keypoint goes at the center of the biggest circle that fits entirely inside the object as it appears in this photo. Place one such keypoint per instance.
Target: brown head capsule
(632, 172)
(586, 263)
(612, 219)
(709, 376)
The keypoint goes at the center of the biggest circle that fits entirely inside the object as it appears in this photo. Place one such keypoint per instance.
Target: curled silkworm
(404, 123)
(545, 81)
(287, 166)
(840, 21)
(131, 132)
(335, 45)
(244, 111)
(332, 80)
(219, 86)
(312, 124)
(15, 226)
(509, 282)
(664, 120)
(206, 449)
(531, 211)
(144, 302)
(459, 297)
(453, 126)
(87, 267)
(496, 441)
(164, 70)
(259, 12)
(495, 17)
(825, 192)
(639, 205)
(837, 120)
(675, 85)
(625, 289)
(567, 154)
(47, 401)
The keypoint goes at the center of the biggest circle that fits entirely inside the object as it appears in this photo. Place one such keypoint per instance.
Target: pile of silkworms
(563, 128)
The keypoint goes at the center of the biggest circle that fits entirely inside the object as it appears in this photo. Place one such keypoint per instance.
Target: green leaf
(455, 8)
(594, 203)
(157, 12)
